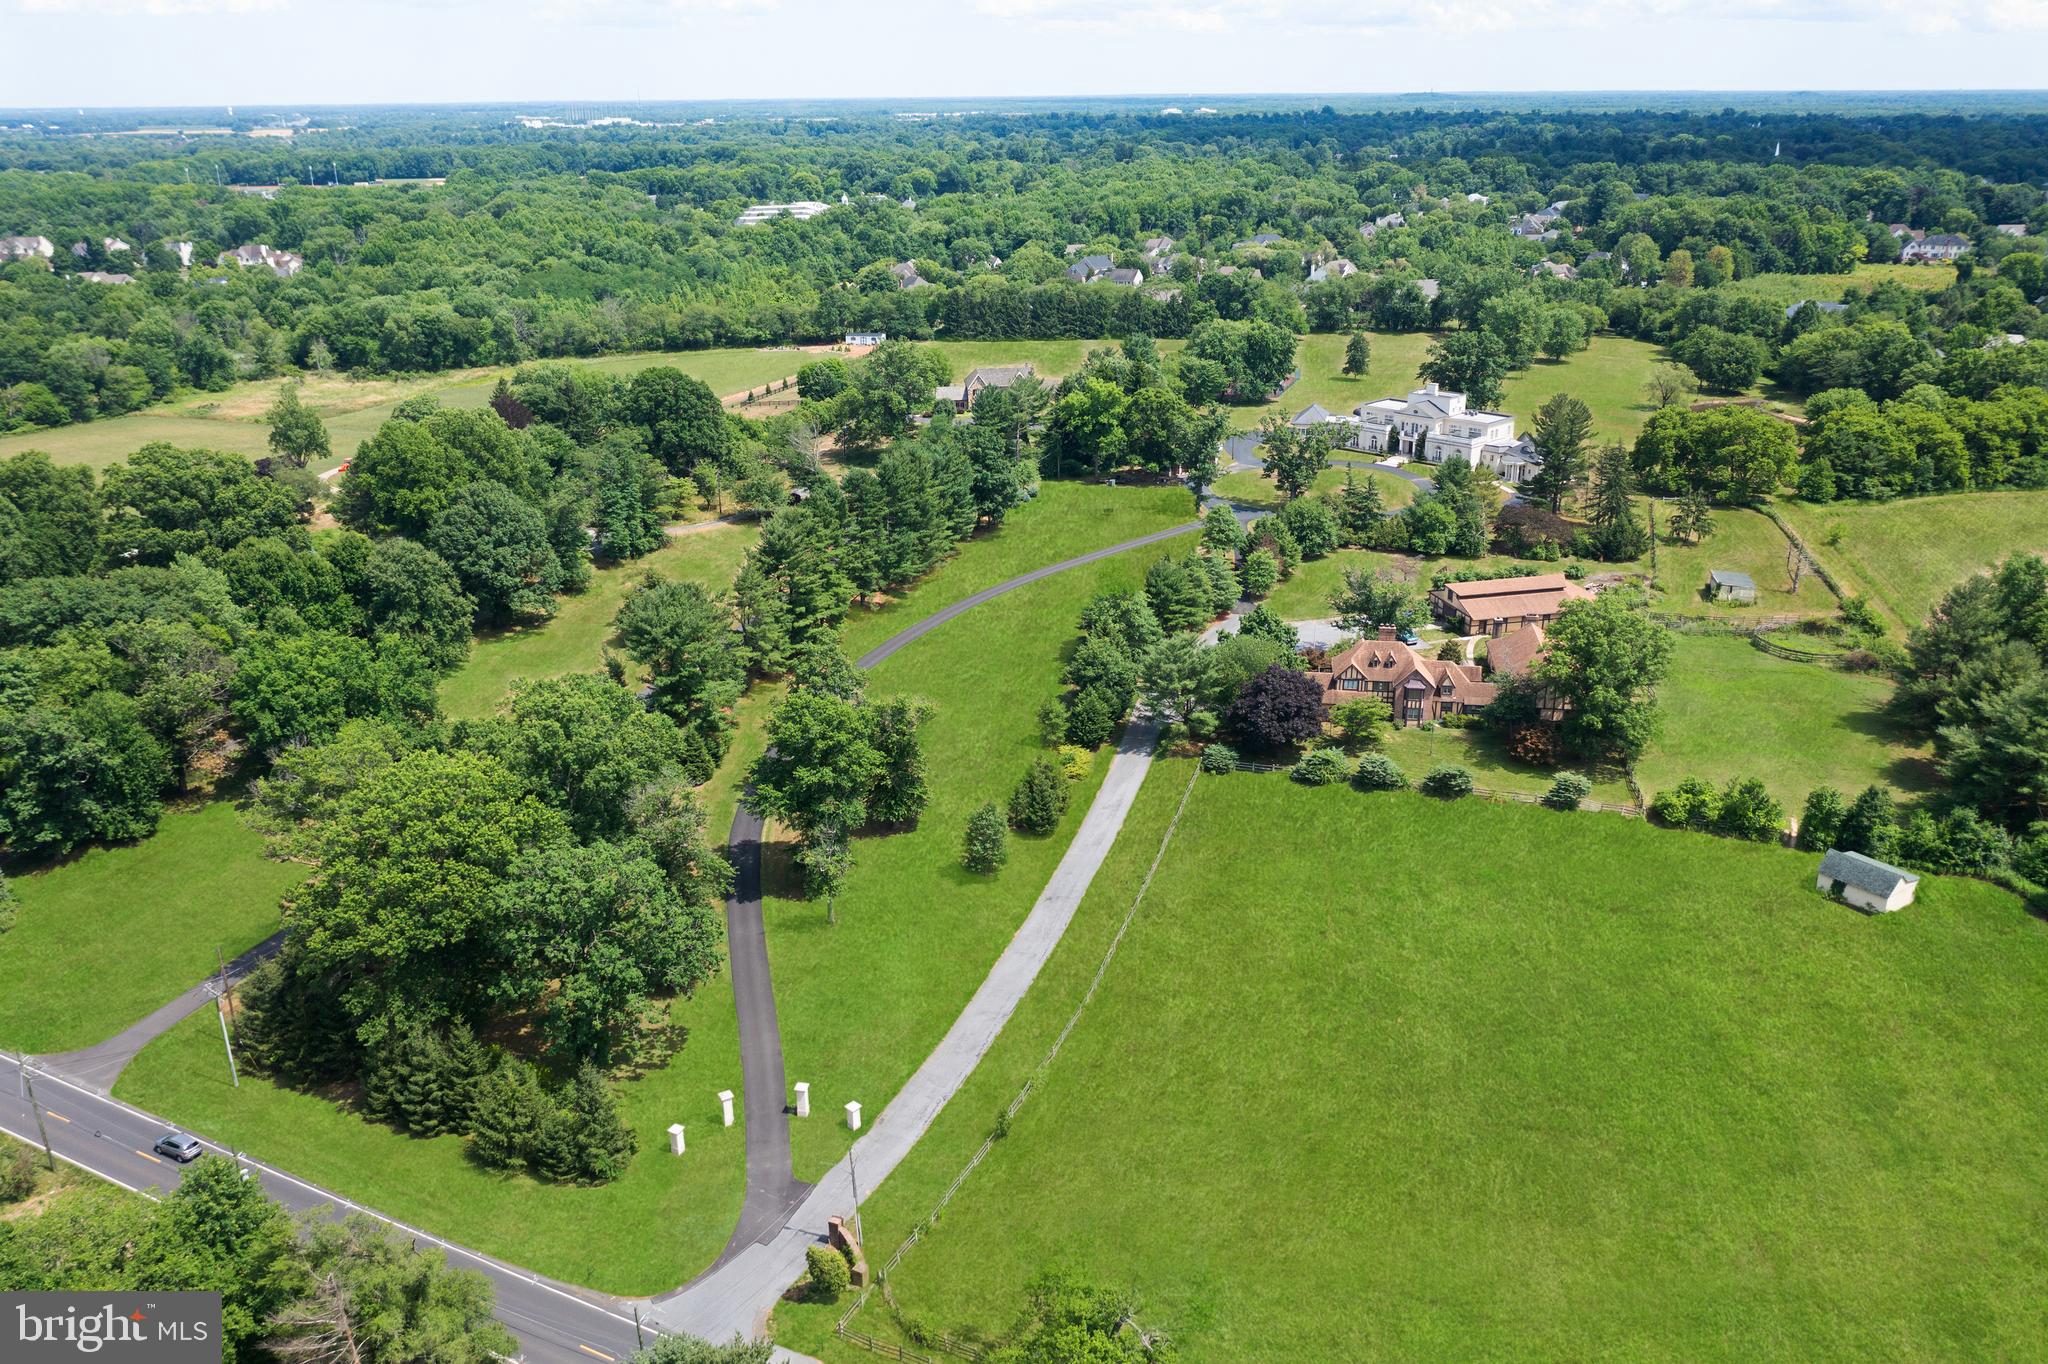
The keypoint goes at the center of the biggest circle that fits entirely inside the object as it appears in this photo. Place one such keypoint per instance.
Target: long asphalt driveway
(773, 1191)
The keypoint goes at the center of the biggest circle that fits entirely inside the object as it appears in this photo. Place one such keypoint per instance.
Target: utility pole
(220, 1000)
(42, 1131)
(638, 1334)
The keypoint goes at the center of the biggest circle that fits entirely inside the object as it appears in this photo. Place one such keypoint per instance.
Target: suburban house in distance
(1432, 424)
(1419, 690)
(22, 248)
(761, 213)
(283, 264)
(1868, 884)
(1939, 247)
(1501, 606)
(978, 381)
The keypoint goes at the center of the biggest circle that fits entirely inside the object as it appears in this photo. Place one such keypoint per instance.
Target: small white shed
(1868, 884)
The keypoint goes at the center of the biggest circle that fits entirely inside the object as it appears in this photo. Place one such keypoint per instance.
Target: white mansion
(1432, 424)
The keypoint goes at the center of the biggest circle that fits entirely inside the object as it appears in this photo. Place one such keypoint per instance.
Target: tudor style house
(1417, 689)
(1432, 424)
(962, 395)
(1501, 606)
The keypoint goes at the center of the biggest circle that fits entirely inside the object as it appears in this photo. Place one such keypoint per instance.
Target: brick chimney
(1386, 634)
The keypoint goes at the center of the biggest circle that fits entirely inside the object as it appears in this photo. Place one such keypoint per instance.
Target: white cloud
(162, 9)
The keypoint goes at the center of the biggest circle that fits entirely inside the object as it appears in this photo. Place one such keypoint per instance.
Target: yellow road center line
(148, 1157)
(53, 1113)
(599, 1353)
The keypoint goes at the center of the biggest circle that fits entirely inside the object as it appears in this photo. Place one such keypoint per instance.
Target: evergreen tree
(630, 487)
(507, 1115)
(1618, 535)
(602, 1145)
(1359, 509)
(987, 844)
(1357, 355)
(900, 792)
(1039, 800)
(1870, 825)
(1090, 721)
(1562, 430)
(1221, 534)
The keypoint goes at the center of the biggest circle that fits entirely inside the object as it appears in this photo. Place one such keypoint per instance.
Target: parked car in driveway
(179, 1146)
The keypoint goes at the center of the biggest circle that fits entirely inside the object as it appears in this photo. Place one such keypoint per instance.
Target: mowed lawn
(105, 937)
(574, 640)
(1731, 710)
(1904, 555)
(1608, 376)
(353, 409)
(1544, 1086)
(862, 1002)
(661, 1223)
(1743, 541)
(1254, 487)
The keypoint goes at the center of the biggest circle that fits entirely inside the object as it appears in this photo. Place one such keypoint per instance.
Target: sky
(56, 53)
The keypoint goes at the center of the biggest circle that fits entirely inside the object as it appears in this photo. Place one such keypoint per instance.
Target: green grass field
(352, 409)
(111, 934)
(1787, 290)
(573, 641)
(1730, 710)
(1609, 376)
(664, 1220)
(1417, 750)
(1904, 555)
(1744, 542)
(1254, 488)
(1549, 1087)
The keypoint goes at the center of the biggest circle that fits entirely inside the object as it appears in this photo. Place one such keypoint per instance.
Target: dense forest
(574, 241)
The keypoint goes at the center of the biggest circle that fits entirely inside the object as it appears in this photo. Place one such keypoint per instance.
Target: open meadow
(1545, 1086)
(1731, 710)
(105, 936)
(1904, 555)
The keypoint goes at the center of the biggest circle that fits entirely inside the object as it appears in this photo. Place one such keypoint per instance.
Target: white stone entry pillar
(675, 1139)
(725, 1102)
(803, 1099)
(852, 1116)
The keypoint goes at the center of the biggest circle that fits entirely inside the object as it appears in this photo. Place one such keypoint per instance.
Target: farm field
(664, 1219)
(573, 641)
(1904, 555)
(107, 936)
(1579, 1122)
(1731, 710)
(353, 409)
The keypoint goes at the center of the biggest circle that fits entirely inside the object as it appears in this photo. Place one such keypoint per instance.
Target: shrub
(987, 844)
(1692, 804)
(1076, 762)
(828, 1275)
(1568, 792)
(17, 1172)
(1535, 744)
(1322, 767)
(1378, 772)
(1821, 819)
(1749, 811)
(1447, 781)
(1219, 758)
(1039, 800)
(1052, 722)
